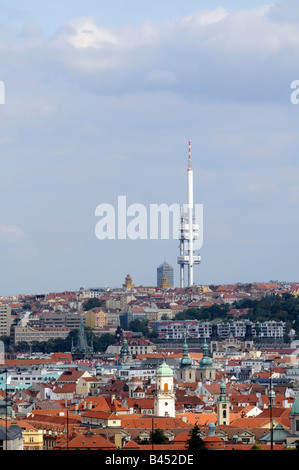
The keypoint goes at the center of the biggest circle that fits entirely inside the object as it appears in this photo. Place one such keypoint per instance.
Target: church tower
(223, 405)
(125, 354)
(186, 372)
(164, 403)
(206, 370)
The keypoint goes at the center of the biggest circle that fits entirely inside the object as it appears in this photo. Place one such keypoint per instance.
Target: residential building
(5, 320)
(11, 438)
(96, 318)
(29, 334)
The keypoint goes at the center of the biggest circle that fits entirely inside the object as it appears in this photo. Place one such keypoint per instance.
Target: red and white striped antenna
(189, 159)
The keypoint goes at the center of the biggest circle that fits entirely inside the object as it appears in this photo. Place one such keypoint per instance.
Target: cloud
(215, 54)
(84, 33)
(94, 112)
(11, 234)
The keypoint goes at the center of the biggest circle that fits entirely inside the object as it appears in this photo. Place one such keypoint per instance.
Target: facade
(186, 372)
(96, 318)
(165, 270)
(29, 334)
(128, 283)
(23, 379)
(294, 423)
(70, 321)
(206, 370)
(174, 329)
(134, 313)
(5, 320)
(33, 438)
(11, 438)
(223, 406)
(164, 402)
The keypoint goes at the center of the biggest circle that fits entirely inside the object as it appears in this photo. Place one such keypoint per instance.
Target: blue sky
(100, 101)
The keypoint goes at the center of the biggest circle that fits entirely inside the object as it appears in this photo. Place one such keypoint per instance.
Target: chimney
(112, 398)
(90, 405)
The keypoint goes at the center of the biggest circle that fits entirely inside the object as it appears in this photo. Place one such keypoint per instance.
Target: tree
(195, 442)
(92, 303)
(158, 437)
(256, 447)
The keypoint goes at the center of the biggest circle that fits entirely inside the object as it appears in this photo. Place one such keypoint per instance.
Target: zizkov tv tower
(188, 231)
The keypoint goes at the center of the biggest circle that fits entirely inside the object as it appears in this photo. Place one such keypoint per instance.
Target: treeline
(274, 307)
(212, 313)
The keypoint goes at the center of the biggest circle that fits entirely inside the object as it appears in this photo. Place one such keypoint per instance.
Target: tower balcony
(185, 259)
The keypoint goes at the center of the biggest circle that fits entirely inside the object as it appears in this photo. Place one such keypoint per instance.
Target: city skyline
(101, 100)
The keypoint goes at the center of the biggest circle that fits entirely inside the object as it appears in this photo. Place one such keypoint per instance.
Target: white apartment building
(175, 329)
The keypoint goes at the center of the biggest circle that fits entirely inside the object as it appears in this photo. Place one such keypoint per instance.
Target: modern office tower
(165, 270)
(188, 231)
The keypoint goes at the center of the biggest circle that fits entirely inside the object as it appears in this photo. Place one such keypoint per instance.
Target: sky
(101, 99)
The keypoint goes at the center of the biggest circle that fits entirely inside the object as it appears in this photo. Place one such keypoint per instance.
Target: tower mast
(190, 217)
(188, 230)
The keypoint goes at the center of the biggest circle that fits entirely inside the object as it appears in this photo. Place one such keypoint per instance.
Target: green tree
(195, 442)
(92, 303)
(256, 447)
(158, 437)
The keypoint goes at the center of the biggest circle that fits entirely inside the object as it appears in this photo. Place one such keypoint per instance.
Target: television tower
(188, 231)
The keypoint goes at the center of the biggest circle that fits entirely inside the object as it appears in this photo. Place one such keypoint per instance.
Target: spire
(223, 397)
(271, 394)
(186, 361)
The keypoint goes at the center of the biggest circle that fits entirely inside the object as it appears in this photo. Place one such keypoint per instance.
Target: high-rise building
(165, 270)
(5, 320)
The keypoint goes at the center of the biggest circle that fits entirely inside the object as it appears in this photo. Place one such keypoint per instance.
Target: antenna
(189, 159)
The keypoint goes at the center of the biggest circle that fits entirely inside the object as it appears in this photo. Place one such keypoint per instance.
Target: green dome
(186, 361)
(206, 361)
(164, 370)
(295, 407)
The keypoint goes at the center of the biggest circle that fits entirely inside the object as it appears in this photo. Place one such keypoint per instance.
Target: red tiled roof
(90, 441)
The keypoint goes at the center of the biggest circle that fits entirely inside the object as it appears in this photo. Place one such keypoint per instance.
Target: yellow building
(128, 282)
(96, 318)
(33, 438)
(164, 283)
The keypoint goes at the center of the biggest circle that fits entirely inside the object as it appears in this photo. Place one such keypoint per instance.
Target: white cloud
(84, 33)
(11, 234)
